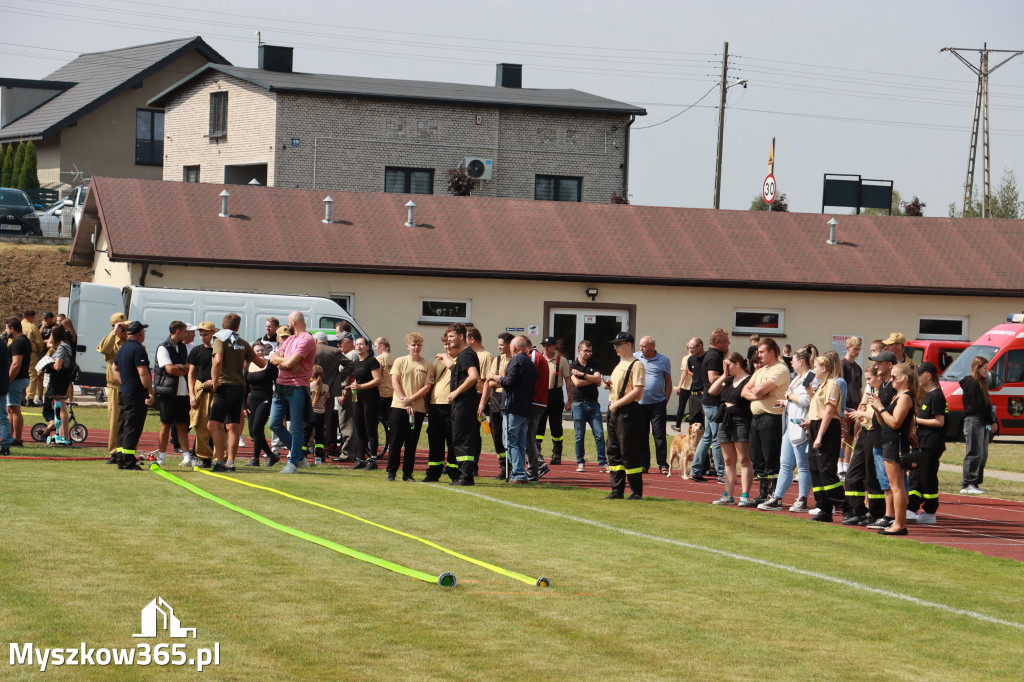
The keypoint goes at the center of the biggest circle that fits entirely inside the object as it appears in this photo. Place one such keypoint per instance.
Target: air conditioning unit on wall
(478, 168)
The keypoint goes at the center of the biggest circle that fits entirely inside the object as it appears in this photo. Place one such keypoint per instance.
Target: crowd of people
(864, 442)
(37, 368)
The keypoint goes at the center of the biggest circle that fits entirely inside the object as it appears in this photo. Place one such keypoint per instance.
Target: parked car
(1003, 347)
(49, 219)
(17, 215)
(941, 353)
(71, 215)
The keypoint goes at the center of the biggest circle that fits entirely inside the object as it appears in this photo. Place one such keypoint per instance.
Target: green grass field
(640, 590)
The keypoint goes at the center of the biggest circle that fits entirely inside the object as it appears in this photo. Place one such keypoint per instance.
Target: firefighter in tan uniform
(475, 341)
(499, 365)
(441, 456)
(558, 376)
(31, 332)
(387, 392)
(108, 348)
(627, 429)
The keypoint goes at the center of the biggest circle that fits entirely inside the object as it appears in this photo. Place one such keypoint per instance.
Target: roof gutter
(556, 277)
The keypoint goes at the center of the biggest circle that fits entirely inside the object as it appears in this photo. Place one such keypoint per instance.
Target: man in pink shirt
(294, 362)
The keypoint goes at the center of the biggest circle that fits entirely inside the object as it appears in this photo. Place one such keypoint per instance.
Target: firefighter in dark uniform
(558, 374)
(464, 401)
(627, 429)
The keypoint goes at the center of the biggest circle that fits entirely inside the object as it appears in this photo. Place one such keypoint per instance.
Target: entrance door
(597, 326)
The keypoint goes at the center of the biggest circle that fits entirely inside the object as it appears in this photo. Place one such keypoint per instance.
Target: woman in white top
(794, 439)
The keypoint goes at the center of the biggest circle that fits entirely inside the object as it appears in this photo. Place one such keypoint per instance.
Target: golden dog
(684, 447)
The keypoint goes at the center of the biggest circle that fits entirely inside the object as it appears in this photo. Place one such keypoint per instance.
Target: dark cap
(928, 367)
(135, 327)
(884, 356)
(548, 341)
(346, 335)
(48, 314)
(622, 337)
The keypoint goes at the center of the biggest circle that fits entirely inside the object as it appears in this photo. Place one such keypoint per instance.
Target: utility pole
(721, 126)
(980, 121)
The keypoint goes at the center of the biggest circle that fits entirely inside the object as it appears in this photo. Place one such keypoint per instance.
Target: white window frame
(425, 319)
(781, 331)
(336, 297)
(945, 337)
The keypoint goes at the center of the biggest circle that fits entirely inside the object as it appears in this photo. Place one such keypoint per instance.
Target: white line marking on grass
(761, 562)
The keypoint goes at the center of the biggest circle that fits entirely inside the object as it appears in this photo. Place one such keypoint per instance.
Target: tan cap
(284, 330)
(118, 317)
(895, 337)
(206, 327)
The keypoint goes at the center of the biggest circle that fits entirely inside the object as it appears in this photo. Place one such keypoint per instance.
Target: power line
(655, 125)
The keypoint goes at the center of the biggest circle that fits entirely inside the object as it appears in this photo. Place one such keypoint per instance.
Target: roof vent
(276, 58)
(224, 204)
(411, 206)
(832, 232)
(327, 209)
(509, 76)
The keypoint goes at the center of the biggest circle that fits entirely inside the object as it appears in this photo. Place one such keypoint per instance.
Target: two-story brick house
(227, 124)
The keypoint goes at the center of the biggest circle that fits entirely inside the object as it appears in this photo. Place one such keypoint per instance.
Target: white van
(91, 305)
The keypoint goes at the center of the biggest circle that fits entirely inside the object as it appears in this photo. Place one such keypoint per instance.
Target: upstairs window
(557, 188)
(409, 180)
(149, 138)
(218, 114)
(190, 174)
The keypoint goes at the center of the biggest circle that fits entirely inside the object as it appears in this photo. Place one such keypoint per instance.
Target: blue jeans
(583, 413)
(296, 398)
(793, 455)
(883, 478)
(709, 441)
(5, 423)
(516, 429)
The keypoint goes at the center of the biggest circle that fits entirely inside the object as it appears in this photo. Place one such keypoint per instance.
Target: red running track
(991, 526)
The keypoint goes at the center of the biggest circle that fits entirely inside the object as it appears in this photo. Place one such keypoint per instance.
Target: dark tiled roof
(98, 77)
(328, 84)
(172, 222)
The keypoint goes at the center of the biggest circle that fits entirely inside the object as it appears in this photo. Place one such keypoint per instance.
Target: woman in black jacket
(977, 419)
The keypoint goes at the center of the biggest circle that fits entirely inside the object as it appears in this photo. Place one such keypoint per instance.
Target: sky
(861, 88)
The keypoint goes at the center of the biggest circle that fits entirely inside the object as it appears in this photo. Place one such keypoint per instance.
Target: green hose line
(445, 579)
(497, 569)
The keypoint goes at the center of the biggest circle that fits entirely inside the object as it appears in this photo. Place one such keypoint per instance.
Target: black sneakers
(614, 495)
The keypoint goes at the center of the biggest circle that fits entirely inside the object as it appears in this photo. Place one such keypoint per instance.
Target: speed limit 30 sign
(768, 190)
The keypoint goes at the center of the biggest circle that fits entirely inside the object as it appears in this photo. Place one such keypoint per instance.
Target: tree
(914, 207)
(30, 171)
(460, 182)
(780, 204)
(620, 196)
(19, 163)
(1005, 203)
(6, 164)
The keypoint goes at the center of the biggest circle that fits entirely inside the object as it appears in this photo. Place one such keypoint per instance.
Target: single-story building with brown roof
(571, 270)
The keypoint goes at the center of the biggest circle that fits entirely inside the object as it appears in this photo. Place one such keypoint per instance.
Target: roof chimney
(276, 58)
(509, 76)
